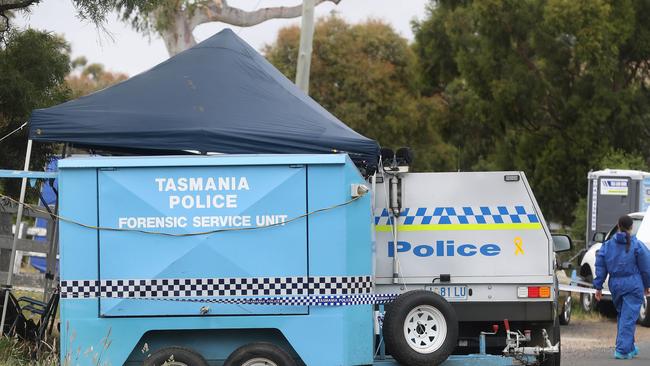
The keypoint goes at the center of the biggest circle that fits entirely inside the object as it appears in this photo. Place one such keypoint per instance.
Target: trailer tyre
(587, 302)
(175, 356)
(260, 354)
(565, 313)
(420, 328)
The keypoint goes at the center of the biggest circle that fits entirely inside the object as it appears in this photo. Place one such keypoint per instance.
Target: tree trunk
(178, 33)
(178, 37)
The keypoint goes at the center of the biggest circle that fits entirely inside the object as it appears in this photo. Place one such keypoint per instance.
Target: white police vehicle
(479, 240)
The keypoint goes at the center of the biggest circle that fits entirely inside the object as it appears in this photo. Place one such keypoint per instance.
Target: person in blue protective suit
(627, 262)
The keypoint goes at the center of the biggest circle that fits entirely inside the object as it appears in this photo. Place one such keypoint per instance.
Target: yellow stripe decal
(455, 227)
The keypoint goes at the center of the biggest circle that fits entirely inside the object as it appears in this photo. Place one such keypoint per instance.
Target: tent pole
(19, 218)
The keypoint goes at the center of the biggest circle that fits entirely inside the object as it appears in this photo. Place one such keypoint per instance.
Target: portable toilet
(613, 193)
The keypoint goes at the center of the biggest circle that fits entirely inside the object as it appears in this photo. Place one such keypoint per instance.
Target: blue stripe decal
(462, 215)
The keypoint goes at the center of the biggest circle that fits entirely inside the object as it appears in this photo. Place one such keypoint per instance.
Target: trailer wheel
(565, 314)
(587, 302)
(644, 317)
(175, 356)
(420, 328)
(260, 354)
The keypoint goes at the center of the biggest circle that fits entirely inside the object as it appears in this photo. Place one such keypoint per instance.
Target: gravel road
(591, 343)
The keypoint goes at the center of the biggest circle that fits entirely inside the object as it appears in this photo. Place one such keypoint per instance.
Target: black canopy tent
(218, 96)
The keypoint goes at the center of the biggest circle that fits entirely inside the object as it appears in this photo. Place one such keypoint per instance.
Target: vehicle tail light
(534, 292)
(545, 292)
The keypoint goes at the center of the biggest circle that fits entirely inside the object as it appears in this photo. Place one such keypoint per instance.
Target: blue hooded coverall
(629, 276)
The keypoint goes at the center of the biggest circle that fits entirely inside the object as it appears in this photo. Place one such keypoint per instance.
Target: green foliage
(94, 11)
(88, 78)
(80, 61)
(148, 16)
(33, 66)
(138, 13)
(549, 87)
(365, 75)
(578, 229)
(619, 159)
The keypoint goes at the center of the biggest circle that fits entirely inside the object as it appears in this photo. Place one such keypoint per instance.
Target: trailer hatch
(145, 274)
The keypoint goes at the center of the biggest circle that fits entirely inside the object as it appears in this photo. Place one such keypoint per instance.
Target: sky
(122, 49)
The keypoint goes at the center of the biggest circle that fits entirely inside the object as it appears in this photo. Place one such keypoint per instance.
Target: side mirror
(561, 243)
(599, 237)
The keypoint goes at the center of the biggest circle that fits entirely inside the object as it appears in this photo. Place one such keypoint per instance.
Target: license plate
(451, 292)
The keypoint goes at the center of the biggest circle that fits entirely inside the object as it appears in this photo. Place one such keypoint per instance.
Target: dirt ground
(590, 342)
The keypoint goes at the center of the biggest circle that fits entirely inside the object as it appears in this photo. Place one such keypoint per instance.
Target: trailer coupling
(515, 349)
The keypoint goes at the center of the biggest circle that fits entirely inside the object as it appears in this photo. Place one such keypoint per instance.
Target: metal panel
(469, 225)
(347, 329)
(513, 311)
(612, 193)
(199, 160)
(181, 201)
(592, 210)
(616, 197)
(644, 195)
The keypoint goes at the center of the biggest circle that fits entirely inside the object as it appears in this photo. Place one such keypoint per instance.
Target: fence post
(50, 263)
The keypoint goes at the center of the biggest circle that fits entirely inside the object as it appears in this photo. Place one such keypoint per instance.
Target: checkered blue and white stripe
(461, 215)
(313, 300)
(217, 287)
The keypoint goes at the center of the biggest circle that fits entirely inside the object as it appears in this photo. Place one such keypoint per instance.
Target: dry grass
(578, 314)
(15, 352)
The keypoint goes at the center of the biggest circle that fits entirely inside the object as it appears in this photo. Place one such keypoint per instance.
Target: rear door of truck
(482, 227)
(616, 197)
